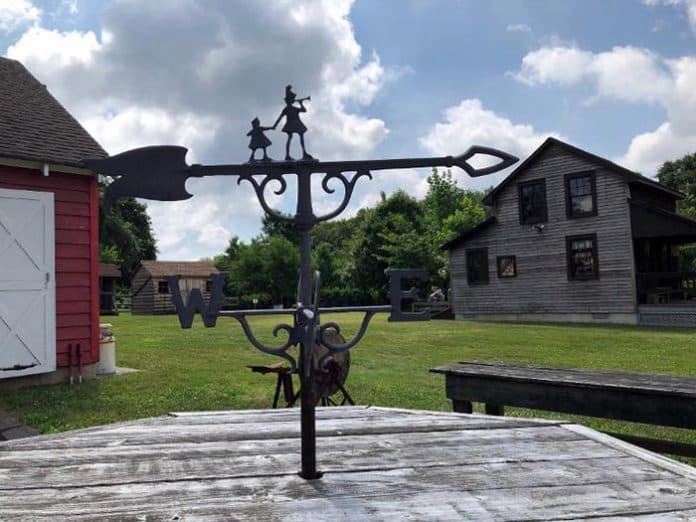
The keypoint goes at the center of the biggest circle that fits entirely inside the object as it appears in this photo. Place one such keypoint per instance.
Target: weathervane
(160, 173)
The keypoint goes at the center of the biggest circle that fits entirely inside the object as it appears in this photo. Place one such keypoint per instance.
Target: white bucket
(107, 351)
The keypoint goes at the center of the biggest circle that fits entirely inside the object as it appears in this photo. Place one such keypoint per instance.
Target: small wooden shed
(49, 228)
(150, 290)
(108, 275)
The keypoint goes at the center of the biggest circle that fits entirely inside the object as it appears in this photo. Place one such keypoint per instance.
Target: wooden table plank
(660, 384)
(170, 432)
(379, 463)
(518, 491)
(193, 461)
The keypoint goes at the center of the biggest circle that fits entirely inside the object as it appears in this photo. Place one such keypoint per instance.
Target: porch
(665, 276)
(671, 289)
(666, 299)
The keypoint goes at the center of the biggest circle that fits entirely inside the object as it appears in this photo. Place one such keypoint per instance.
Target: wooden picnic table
(379, 464)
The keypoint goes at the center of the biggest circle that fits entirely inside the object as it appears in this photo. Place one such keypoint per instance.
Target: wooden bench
(638, 397)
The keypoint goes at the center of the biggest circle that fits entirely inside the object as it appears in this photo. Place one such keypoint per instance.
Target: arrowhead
(505, 160)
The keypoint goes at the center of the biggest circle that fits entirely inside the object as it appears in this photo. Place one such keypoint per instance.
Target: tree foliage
(681, 175)
(353, 254)
(264, 269)
(125, 235)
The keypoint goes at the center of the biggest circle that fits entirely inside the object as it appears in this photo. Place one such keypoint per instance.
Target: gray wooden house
(150, 292)
(573, 237)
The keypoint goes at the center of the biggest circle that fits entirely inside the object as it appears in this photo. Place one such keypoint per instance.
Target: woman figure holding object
(293, 124)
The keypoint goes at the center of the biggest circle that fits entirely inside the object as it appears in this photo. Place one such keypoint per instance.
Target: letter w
(187, 311)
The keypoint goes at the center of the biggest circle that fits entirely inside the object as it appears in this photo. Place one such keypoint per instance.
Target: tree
(272, 226)
(681, 175)
(353, 254)
(378, 243)
(265, 269)
(448, 211)
(125, 234)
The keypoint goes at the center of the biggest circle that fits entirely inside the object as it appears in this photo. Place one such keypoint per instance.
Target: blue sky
(387, 78)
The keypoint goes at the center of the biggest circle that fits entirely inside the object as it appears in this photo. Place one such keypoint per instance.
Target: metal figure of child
(258, 140)
(293, 124)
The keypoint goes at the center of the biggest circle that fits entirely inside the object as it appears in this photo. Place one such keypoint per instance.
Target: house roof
(466, 235)
(109, 270)
(649, 222)
(629, 176)
(35, 126)
(181, 268)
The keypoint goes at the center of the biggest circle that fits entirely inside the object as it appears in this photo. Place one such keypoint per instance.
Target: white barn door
(27, 283)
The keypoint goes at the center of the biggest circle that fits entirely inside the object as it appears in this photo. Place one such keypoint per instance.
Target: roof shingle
(35, 126)
(182, 268)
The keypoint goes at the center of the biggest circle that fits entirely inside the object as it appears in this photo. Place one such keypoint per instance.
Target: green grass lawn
(205, 368)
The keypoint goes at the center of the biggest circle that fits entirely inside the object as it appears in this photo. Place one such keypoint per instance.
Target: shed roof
(629, 175)
(35, 126)
(109, 270)
(181, 268)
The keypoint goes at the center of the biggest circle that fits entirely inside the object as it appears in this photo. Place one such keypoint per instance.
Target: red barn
(49, 233)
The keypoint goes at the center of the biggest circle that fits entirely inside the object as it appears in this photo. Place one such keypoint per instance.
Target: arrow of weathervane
(160, 172)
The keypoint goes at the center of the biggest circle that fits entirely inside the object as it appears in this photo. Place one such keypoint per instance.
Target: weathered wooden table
(380, 464)
(639, 397)
(663, 400)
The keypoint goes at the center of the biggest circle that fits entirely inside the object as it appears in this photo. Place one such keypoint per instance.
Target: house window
(477, 265)
(507, 266)
(208, 286)
(162, 287)
(583, 262)
(532, 202)
(581, 195)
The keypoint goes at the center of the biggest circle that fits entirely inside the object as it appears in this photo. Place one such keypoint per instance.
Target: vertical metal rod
(307, 323)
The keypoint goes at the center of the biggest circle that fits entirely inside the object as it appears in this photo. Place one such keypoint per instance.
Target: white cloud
(196, 74)
(55, 51)
(15, 14)
(564, 65)
(648, 151)
(626, 73)
(631, 75)
(134, 127)
(469, 123)
(688, 5)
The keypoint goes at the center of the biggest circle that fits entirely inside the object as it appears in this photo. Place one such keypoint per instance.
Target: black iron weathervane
(160, 173)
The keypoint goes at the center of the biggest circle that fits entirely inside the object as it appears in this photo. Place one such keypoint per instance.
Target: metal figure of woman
(293, 124)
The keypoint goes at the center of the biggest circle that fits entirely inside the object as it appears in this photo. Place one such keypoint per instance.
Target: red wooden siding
(77, 255)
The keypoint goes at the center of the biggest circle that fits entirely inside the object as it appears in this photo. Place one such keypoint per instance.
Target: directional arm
(161, 172)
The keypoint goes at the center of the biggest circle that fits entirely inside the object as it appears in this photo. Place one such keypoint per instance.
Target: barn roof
(34, 126)
(181, 268)
(629, 175)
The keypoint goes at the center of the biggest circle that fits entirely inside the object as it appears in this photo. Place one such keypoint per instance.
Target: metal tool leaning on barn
(160, 173)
